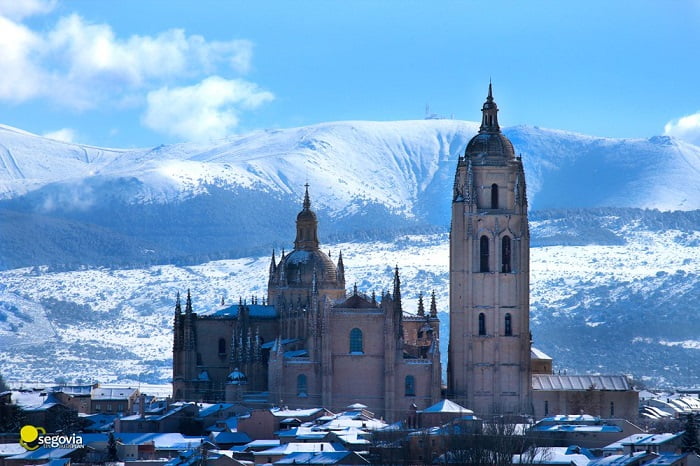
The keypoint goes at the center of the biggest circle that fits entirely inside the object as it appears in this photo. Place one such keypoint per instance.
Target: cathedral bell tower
(489, 350)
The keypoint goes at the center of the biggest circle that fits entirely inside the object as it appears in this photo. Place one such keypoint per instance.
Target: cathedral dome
(299, 267)
(490, 144)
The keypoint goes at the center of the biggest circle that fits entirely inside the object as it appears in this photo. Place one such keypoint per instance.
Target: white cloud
(20, 78)
(686, 128)
(83, 65)
(18, 9)
(63, 134)
(203, 111)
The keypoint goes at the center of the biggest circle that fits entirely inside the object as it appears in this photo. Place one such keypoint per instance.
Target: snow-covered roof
(74, 390)
(254, 310)
(11, 449)
(621, 460)
(230, 437)
(357, 406)
(551, 455)
(447, 406)
(208, 409)
(580, 382)
(642, 440)
(317, 457)
(538, 354)
(293, 447)
(101, 393)
(577, 428)
(166, 441)
(286, 341)
(285, 413)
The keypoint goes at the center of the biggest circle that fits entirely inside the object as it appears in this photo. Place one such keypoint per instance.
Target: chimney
(142, 407)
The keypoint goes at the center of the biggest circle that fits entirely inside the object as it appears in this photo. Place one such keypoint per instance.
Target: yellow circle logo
(28, 435)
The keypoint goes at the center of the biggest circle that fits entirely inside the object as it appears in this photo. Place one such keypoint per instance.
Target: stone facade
(310, 343)
(489, 351)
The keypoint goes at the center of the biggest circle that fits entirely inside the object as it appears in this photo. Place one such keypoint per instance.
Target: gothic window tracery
(356, 341)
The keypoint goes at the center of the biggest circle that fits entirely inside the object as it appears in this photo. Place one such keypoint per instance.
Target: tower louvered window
(505, 255)
(484, 254)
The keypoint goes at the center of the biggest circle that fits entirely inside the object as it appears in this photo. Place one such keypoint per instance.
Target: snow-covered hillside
(397, 164)
(68, 205)
(95, 242)
(625, 307)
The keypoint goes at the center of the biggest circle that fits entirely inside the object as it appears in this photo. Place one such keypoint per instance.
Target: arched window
(222, 346)
(509, 325)
(356, 340)
(302, 388)
(410, 386)
(484, 254)
(505, 255)
(482, 324)
(494, 196)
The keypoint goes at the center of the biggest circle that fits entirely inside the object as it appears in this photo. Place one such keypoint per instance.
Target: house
(112, 399)
(609, 396)
(443, 412)
(656, 443)
(583, 430)
(272, 455)
(323, 457)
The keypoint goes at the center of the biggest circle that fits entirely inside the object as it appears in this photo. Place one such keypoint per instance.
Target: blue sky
(132, 73)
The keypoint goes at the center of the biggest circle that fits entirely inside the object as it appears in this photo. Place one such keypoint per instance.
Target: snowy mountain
(95, 242)
(187, 203)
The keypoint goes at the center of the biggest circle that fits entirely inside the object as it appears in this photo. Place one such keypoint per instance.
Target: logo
(31, 438)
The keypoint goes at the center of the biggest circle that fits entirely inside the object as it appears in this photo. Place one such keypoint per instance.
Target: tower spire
(307, 226)
(188, 303)
(397, 286)
(307, 201)
(489, 118)
(421, 308)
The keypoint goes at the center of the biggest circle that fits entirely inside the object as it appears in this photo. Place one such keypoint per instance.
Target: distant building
(607, 396)
(310, 343)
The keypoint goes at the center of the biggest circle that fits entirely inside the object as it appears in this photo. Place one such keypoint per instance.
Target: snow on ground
(132, 309)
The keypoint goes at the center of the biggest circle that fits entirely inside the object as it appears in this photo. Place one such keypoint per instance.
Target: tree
(112, 448)
(690, 442)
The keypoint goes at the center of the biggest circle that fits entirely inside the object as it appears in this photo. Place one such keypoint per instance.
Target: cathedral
(311, 342)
